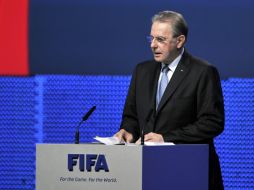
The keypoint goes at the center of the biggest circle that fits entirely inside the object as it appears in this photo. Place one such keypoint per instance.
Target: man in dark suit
(175, 97)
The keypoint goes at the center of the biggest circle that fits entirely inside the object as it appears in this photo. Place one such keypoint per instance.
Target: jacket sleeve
(210, 112)
(129, 117)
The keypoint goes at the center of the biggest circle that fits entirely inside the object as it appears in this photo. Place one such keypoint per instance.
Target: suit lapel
(154, 82)
(179, 74)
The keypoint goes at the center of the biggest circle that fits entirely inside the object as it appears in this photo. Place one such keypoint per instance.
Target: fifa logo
(87, 162)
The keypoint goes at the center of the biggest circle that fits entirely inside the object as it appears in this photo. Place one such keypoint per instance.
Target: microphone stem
(77, 137)
(83, 119)
(142, 137)
(77, 133)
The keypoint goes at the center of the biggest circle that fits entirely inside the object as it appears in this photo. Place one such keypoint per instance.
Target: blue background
(109, 37)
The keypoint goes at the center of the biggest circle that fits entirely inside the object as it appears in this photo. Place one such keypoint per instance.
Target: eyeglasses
(159, 39)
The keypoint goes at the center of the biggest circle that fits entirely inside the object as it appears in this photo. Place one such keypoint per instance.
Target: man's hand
(124, 135)
(151, 137)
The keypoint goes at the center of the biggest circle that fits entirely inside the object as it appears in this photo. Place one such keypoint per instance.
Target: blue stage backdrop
(109, 37)
(47, 109)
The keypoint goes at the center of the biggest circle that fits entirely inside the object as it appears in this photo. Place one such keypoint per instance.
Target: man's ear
(180, 41)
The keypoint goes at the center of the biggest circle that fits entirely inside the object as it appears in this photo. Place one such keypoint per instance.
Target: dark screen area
(95, 37)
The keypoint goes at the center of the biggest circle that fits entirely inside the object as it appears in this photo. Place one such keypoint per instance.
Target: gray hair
(178, 23)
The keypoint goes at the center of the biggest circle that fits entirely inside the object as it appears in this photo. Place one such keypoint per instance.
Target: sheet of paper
(109, 140)
(159, 143)
(115, 140)
(152, 144)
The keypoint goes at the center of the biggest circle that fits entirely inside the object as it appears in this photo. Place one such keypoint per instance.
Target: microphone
(83, 119)
(142, 131)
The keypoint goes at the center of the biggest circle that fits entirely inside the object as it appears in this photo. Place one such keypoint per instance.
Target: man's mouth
(157, 53)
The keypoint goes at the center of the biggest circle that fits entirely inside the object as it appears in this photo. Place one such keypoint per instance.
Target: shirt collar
(172, 66)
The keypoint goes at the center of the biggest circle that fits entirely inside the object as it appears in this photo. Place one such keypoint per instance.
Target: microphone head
(89, 113)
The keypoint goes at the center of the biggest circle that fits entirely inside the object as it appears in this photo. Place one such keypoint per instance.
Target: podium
(119, 167)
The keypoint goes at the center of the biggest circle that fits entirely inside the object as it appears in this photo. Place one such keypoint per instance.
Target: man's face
(163, 44)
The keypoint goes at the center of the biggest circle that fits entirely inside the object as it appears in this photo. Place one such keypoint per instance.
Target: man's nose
(153, 43)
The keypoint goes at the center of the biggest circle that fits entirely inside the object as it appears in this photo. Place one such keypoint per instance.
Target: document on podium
(117, 141)
(109, 140)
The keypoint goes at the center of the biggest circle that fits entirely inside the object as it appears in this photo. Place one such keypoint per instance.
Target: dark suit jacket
(190, 111)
